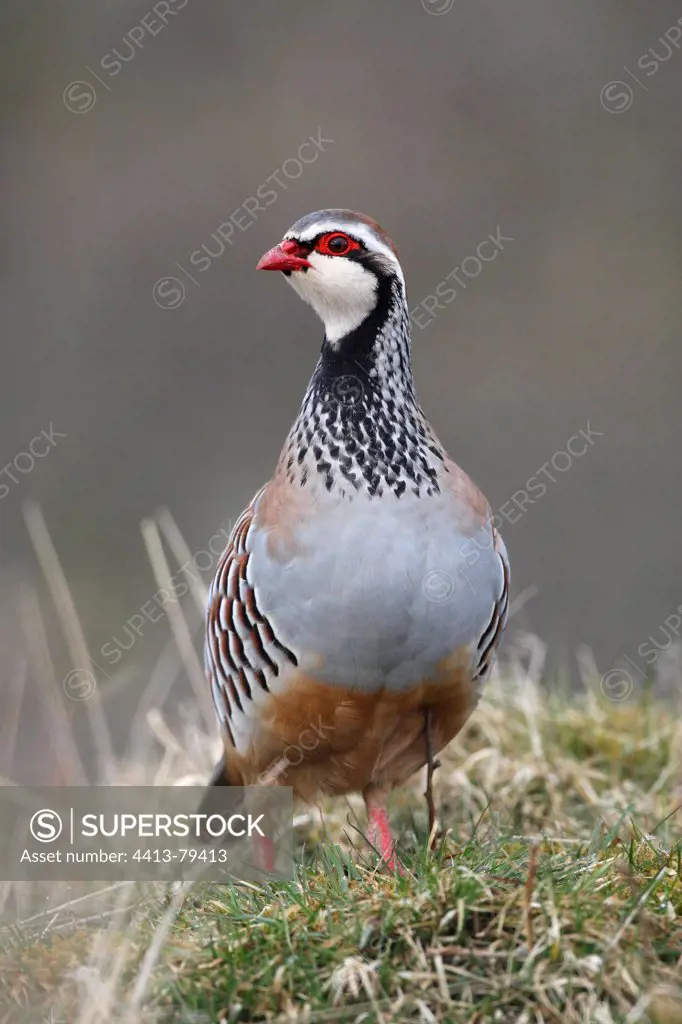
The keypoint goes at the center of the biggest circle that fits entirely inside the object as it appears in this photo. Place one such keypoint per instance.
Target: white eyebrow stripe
(356, 230)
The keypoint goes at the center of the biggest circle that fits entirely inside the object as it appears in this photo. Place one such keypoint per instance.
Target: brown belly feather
(319, 737)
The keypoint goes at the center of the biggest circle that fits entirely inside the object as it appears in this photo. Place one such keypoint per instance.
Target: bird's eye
(336, 244)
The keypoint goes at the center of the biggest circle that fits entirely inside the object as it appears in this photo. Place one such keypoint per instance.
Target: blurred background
(165, 371)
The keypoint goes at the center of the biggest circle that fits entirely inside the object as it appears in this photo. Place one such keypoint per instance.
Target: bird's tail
(264, 849)
(219, 777)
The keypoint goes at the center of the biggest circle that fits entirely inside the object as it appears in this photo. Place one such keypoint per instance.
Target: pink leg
(379, 828)
(264, 853)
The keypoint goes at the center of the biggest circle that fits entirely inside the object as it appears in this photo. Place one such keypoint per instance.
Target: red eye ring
(329, 245)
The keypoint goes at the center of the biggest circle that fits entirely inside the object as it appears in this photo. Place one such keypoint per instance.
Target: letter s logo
(45, 825)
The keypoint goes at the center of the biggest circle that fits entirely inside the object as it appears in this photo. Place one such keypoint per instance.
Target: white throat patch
(341, 291)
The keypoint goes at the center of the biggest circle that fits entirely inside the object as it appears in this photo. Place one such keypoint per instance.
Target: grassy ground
(555, 894)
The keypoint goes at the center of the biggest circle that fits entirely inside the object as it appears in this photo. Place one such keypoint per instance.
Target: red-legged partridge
(365, 586)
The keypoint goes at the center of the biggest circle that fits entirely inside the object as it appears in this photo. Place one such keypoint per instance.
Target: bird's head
(339, 262)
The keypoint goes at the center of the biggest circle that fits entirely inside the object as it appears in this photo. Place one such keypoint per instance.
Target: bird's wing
(244, 656)
(492, 634)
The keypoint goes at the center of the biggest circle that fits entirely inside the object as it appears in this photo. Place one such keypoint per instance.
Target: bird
(357, 609)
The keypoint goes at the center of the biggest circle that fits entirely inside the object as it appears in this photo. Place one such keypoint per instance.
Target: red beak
(288, 255)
